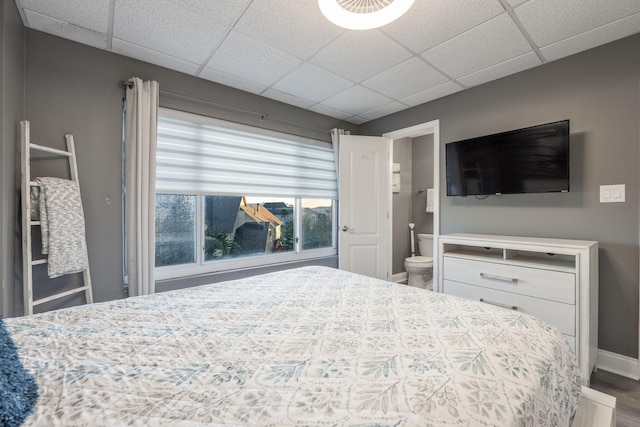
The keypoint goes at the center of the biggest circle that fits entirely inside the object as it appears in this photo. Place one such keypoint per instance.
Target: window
(175, 229)
(231, 196)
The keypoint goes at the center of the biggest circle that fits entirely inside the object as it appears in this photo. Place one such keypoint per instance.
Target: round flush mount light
(363, 14)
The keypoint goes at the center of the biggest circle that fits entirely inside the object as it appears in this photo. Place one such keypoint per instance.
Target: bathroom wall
(402, 204)
(421, 179)
(415, 156)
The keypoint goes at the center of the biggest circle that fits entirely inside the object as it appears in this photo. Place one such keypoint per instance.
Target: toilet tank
(425, 244)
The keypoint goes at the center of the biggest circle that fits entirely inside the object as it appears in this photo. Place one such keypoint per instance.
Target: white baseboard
(399, 277)
(618, 364)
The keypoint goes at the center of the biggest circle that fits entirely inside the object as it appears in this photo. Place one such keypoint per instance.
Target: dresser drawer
(551, 285)
(562, 316)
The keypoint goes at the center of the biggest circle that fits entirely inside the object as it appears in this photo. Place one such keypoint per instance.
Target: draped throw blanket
(35, 203)
(62, 226)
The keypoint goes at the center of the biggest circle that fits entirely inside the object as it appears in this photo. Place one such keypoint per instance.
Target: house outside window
(210, 215)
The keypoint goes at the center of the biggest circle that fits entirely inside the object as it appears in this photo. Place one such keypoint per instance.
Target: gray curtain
(140, 182)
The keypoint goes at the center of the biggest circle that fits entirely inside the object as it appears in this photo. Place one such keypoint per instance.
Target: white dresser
(553, 279)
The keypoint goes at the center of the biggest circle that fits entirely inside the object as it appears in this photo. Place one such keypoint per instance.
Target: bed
(313, 346)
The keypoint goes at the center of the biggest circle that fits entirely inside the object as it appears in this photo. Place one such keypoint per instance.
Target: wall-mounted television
(530, 160)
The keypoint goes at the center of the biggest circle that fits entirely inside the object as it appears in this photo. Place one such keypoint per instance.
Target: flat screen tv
(529, 160)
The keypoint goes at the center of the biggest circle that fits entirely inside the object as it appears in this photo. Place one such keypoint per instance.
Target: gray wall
(599, 91)
(72, 88)
(12, 107)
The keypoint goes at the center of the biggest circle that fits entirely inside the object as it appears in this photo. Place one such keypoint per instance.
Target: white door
(364, 191)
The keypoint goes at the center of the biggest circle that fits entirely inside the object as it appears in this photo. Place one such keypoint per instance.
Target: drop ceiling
(286, 50)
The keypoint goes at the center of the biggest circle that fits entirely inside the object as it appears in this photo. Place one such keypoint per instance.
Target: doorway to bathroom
(415, 153)
(385, 229)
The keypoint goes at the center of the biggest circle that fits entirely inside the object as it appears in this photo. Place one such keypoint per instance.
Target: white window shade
(202, 155)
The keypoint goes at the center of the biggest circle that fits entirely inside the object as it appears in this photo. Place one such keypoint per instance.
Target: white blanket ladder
(27, 222)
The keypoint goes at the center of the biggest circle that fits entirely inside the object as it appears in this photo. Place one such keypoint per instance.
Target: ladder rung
(39, 261)
(60, 295)
(35, 222)
(50, 150)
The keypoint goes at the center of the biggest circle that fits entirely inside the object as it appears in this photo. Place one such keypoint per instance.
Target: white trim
(400, 277)
(618, 364)
(595, 409)
(638, 370)
(427, 128)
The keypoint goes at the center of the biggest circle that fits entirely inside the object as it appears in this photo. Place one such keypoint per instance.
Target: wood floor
(627, 393)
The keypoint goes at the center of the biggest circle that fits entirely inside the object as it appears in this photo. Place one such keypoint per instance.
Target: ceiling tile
(164, 27)
(431, 94)
(304, 33)
(549, 21)
(385, 110)
(312, 83)
(601, 35)
(92, 15)
(252, 60)
(287, 99)
(331, 112)
(405, 79)
(153, 57)
(356, 120)
(429, 23)
(287, 51)
(488, 44)
(506, 68)
(356, 99)
(65, 30)
(231, 81)
(224, 12)
(358, 55)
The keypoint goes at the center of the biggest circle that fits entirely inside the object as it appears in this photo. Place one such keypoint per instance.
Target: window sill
(221, 276)
(240, 264)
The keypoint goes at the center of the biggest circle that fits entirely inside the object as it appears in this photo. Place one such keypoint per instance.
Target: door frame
(427, 128)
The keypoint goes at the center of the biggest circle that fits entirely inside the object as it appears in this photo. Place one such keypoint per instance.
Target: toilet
(420, 268)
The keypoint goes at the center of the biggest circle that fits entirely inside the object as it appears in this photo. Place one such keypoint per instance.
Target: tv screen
(529, 160)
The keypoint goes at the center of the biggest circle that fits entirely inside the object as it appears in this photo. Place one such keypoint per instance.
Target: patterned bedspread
(312, 346)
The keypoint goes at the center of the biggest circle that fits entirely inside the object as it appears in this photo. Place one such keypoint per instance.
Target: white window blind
(201, 155)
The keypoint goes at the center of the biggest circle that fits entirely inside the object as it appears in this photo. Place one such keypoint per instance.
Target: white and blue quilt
(306, 347)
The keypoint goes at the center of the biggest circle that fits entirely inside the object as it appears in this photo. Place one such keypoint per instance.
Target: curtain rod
(127, 84)
(124, 84)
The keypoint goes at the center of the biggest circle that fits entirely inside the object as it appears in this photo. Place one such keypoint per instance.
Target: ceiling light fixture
(363, 14)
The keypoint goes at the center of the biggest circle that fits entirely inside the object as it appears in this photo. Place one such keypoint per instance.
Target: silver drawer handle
(504, 279)
(510, 307)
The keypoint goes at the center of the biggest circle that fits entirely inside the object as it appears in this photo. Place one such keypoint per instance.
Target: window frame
(201, 267)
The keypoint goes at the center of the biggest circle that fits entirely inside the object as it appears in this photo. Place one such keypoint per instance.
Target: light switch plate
(612, 193)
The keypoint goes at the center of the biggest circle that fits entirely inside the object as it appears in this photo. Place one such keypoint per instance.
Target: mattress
(313, 346)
